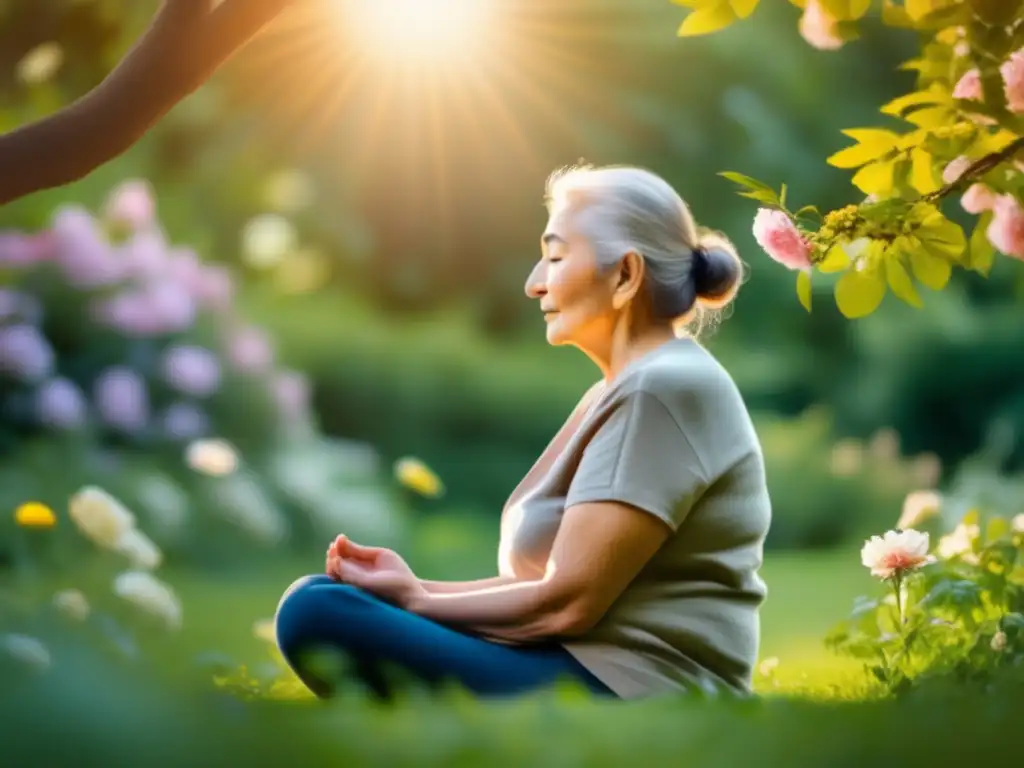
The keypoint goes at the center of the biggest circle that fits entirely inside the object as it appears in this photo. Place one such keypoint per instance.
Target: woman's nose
(535, 283)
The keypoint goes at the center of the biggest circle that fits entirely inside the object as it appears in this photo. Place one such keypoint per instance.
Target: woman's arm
(186, 43)
(458, 587)
(599, 549)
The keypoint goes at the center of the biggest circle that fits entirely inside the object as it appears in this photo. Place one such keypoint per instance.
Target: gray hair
(690, 272)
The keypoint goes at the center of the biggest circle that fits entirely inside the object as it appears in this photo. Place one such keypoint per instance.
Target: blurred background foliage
(378, 231)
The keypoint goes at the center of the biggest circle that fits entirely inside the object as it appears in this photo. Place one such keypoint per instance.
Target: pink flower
(291, 391)
(895, 553)
(250, 351)
(1012, 71)
(122, 399)
(969, 87)
(1006, 232)
(153, 310)
(60, 404)
(956, 169)
(192, 370)
(185, 421)
(819, 28)
(25, 353)
(82, 254)
(214, 289)
(776, 233)
(20, 250)
(131, 205)
(977, 199)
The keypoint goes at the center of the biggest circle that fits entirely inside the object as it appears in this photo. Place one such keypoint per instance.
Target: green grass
(808, 594)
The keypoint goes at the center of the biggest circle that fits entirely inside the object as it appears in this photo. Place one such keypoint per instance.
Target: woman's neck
(622, 348)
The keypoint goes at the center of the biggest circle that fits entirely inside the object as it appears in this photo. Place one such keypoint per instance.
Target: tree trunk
(186, 43)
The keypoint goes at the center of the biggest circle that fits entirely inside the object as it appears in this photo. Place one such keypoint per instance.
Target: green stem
(897, 583)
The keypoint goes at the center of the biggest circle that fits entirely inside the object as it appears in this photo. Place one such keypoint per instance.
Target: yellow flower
(33, 514)
(417, 476)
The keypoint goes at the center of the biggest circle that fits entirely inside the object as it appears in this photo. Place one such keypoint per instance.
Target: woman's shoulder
(683, 372)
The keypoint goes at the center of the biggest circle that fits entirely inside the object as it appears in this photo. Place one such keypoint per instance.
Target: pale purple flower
(250, 351)
(214, 288)
(131, 204)
(291, 391)
(25, 352)
(10, 303)
(122, 399)
(183, 266)
(82, 253)
(185, 421)
(192, 370)
(60, 404)
(150, 311)
(144, 255)
(174, 309)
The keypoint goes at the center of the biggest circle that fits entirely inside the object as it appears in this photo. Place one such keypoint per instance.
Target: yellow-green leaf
(706, 20)
(846, 10)
(803, 289)
(933, 271)
(982, 253)
(922, 173)
(875, 178)
(931, 117)
(872, 143)
(900, 282)
(918, 9)
(972, 517)
(743, 8)
(900, 104)
(896, 15)
(943, 237)
(997, 528)
(836, 260)
(858, 294)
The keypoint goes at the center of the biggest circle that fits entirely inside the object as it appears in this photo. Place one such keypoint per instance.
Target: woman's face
(574, 295)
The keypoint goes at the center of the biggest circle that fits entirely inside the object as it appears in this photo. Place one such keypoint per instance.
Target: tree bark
(185, 44)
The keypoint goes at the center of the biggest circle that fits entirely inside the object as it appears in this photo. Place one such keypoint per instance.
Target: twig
(979, 167)
(185, 44)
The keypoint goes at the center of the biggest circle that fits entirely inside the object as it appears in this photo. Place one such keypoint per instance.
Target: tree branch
(979, 167)
(186, 43)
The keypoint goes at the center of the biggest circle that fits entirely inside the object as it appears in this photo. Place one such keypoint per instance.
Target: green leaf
(896, 16)
(744, 181)
(922, 173)
(782, 196)
(858, 294)
(766, 196)
(846, 10)
(807, 210)
(982, 253)
(875, 178)
(705, 20)
(900, 282)
(803, 289)
(931, 270)
(942, 237)
(872, 143)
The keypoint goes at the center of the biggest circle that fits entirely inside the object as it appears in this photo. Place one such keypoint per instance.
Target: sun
(437, 32)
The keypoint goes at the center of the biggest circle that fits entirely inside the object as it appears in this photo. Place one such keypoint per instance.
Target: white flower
(1017, 524)
(959, 543)
(212, 457)
(26, 649)
(999, 641)
(267, 239)
(71, 602)
(151, 595)
(895, 553)
(139, 549)
(919, 506)
(100, 516)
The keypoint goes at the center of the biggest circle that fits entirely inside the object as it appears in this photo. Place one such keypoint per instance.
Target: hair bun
(717, 271)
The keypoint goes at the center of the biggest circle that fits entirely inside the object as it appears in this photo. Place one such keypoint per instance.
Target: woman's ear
(629, 277)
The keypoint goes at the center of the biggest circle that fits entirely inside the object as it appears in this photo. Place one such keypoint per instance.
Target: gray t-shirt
(672, 436)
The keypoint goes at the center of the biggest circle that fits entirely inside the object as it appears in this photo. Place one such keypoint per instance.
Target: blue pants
(318, 614)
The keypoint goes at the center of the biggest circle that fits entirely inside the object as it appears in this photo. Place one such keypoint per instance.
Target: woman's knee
(314, 609)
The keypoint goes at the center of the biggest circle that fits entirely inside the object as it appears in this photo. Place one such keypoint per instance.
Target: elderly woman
(629, 553)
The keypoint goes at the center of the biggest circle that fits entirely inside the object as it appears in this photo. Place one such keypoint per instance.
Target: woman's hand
(376, 569)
